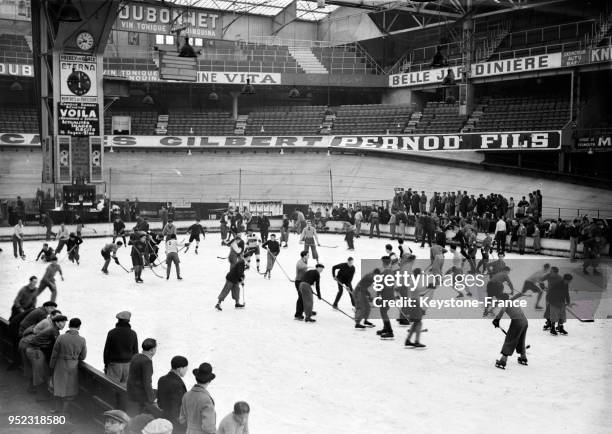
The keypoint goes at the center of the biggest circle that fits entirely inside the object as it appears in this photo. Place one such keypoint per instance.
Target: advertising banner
(78, 119)
(540, 140)
(200, 23)
(78, 79)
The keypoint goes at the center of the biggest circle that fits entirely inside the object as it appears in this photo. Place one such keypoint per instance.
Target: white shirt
(500, 226)
(18, 230)
(171, 246)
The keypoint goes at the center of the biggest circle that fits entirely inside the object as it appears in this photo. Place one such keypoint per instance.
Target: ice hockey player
(414, 314)
(264, 226)
(391, 254)
(223, 228)
(406, 262)
(485, 250)
(343, 274)
(363, 298)
(119, 229)
(311, 277)
(309, 237)
(138, 243)
(194, 235)
(252, 248)
(300, 269)
(48, 279)
(558, 298)
(78, 222)
(172, 257)
(45, 253)
(386, 294)
(73, 243)
(273, 248)
(236, 246)
(169, 229)
(233, 279)
(535, 283)
(62, 237)
(108, 252)
(349, 236)
(284, 231)
(515, 336)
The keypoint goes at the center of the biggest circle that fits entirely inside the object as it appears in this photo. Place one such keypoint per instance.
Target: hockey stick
(150, 267)
(332, 306)
(126, 270)
(577, 317)
(284, 272)
(506, 333)
(221, 257)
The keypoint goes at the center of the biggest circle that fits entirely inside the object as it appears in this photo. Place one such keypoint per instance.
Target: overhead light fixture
(148, 99)
(68, 13)
(294, 93)
(590, 151)
(111, 150)
(213, 96)
(248, 88)
(16, 86)
(262, 129)
(189, 152)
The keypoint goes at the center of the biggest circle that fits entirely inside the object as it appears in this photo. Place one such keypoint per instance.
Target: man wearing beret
(170, 391)
(115, 422)
(198, 407)
(121, 345)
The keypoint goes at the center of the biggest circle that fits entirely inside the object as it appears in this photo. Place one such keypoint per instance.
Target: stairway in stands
(307, 60)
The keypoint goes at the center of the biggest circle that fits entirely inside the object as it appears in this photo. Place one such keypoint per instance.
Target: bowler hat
(204, 373)
(118, 415)
(49, 304)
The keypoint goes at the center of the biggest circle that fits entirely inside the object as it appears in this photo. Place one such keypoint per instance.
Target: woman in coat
(68, 351)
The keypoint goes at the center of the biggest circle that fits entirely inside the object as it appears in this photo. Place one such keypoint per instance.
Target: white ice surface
(327, 377)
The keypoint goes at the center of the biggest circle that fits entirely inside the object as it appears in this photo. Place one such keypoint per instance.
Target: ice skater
(119, 229)
(310, 278)
(18, 240)
(236, 246)
(233, 280)
(195, 230)
(273, 248)
(45, 253)
(172, 257)
(300, 269)
(108, 252)
(48, 279)
(515, 336)
(415, 313)
(62, 236)
(343, 274)
(386, 294)
(363, 298)
(558, 298)
(169, 229)
(137, 241)
(308, 238)
(72, 245)
(535, 283)
(284, 231)
(252, 249)
(349, 236)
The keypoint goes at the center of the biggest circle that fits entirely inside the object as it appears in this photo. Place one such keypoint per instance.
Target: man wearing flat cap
(158, 426)
(121, 345)
(37, 315)
(115, 422)
(170, 391)
(38, 352)
(198, 407)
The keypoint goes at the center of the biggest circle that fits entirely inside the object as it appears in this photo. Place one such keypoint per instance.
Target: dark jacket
(121, 344)
(139, 382)
(33, 318)
(312, 277)
(236, 273)
(558, 294)
(345, 272)
(170, 391)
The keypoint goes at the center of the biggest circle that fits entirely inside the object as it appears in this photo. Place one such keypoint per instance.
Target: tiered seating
(14, 49)
(343, 59)
(523, 113)
(205, 123)
(143, 121)
(371, 119)
(564, 37)
(439, 117)
(18, 120)
(248, 57)
(298, 120)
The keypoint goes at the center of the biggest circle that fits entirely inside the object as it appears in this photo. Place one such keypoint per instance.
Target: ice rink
(327, 377)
